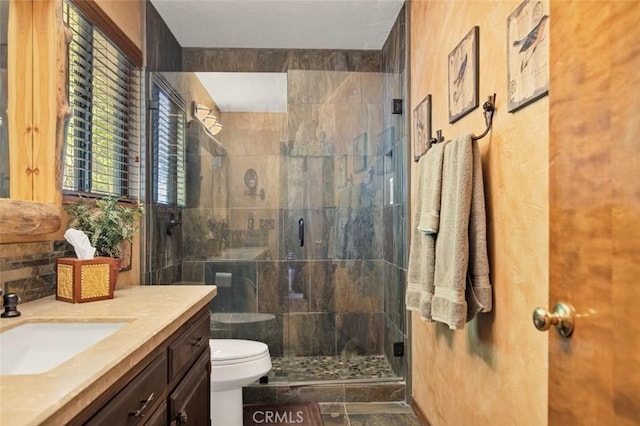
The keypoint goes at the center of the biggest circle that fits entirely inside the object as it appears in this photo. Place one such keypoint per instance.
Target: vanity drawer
(184, 350)
(137, 398)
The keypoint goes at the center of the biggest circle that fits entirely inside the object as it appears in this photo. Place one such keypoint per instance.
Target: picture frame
(421, 127)
(127, 254)
(527, 54)
(464, 76)
(360, 153)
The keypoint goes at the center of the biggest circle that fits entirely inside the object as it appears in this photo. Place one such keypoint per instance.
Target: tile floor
(368, 414)
(350, 390)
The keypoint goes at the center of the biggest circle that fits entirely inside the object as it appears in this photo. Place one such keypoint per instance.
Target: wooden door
(594, 196)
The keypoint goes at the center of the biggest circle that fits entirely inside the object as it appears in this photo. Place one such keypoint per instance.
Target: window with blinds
(167, 134)
(102, 150)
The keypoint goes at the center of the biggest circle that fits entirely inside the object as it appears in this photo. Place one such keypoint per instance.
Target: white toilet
(234, 363)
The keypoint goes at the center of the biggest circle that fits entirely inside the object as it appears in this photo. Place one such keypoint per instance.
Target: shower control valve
(172, 223)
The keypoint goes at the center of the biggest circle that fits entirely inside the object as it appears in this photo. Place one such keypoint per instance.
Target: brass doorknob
(562, 318)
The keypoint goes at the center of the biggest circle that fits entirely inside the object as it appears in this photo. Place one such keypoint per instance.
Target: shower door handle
(301, 232)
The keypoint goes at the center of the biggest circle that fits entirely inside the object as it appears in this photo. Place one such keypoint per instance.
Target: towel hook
(489, 108)
(439, 138)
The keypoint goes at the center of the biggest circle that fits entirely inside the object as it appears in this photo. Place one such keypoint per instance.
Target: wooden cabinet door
(189, 403)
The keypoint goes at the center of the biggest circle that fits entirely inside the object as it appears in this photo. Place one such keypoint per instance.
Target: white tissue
(80, 243)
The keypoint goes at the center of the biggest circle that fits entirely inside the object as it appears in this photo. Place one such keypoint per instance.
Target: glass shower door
(333, 192)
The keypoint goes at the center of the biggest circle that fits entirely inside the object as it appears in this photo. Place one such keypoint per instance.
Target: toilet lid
(229, 351)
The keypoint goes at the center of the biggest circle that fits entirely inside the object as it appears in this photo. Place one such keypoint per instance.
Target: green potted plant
(107, 223)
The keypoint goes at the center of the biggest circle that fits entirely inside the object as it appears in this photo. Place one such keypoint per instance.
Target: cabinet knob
(182, 417)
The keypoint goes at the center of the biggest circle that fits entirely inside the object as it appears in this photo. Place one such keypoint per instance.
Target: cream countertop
(153, 314)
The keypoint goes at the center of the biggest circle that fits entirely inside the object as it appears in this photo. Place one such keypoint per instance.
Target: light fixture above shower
(205, 116)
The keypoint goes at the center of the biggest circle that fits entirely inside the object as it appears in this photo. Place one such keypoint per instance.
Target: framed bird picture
(527, 53)
(463, 76)
(421, 127)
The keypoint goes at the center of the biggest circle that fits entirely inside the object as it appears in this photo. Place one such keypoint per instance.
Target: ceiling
(280, 24)
(245, 91)
(273, 24)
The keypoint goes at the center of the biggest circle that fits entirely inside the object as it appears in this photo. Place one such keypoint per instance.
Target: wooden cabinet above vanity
(153, 370)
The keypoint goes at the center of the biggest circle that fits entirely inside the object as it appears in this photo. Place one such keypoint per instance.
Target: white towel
(452, 247)
(429, 220)
(423, 238)
(478, 258)
(415, 274)
(461, 266)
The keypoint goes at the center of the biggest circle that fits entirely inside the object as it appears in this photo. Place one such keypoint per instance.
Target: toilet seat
(230, 351)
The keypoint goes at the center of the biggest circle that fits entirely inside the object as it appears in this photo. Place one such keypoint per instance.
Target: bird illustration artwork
(461, 70)
(420, 136)
(460, 78)
(419, 125)
(531, 41)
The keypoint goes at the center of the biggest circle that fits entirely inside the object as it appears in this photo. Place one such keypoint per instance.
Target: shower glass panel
(328, 155)
(332, 172)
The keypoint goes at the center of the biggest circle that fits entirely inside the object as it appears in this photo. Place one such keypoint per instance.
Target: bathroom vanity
(154, 370)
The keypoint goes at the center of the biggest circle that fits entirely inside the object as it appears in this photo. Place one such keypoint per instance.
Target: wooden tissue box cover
(79, 281)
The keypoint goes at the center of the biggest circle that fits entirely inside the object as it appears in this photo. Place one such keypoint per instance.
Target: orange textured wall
(494, 371)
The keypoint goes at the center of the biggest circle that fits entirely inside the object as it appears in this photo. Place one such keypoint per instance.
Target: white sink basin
(37, 347)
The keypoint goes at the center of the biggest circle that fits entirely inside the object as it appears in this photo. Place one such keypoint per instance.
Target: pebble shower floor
(330, 368)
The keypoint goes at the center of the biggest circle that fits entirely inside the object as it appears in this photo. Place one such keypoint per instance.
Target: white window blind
(168, 127)
(102, 148)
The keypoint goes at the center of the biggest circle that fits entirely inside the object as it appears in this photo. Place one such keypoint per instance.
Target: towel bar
(489, 108)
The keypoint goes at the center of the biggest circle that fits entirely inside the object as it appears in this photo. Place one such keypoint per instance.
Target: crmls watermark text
(278, 417)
